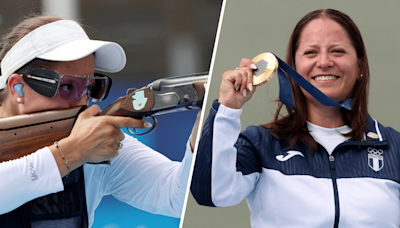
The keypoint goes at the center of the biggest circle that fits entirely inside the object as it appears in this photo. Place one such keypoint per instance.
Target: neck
(324, 116)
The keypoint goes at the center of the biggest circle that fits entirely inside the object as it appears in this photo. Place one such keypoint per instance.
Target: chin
(334, 95)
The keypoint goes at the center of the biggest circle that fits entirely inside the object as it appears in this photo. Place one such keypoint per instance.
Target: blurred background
(161, 38)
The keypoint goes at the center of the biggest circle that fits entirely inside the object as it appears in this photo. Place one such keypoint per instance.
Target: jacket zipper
(335, 190)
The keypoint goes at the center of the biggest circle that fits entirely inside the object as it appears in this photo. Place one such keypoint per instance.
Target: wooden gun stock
(24, 134)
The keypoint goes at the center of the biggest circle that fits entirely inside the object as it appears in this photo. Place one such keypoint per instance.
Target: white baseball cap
(63, 40)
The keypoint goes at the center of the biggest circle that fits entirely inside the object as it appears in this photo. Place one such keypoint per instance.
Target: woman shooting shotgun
(67, 189)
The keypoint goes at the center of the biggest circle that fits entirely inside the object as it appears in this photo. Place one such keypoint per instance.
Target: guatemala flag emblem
(375, 159)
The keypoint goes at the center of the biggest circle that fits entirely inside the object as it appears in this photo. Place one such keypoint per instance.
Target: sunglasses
(70, 87)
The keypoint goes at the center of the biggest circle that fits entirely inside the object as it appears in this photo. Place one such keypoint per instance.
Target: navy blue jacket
(357, 186)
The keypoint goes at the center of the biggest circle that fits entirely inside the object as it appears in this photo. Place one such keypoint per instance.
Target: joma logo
(31, 169)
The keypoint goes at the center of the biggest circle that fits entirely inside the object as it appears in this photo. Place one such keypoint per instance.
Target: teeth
(325, 78)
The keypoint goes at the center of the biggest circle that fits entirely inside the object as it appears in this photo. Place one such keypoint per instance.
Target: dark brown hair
(25, 26)
(293, 124)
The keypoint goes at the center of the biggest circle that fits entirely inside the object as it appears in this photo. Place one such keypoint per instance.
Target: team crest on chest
(375, 159)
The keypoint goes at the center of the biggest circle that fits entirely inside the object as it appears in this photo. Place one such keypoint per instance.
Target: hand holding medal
(238, 85)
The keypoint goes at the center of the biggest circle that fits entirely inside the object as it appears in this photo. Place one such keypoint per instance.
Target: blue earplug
(18, 88)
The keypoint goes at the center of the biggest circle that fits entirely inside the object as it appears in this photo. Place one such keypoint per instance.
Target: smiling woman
(314, 165)
(334, 45)
(328, 60)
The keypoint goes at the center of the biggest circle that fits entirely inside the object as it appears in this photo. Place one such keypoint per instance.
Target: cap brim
(109, 56)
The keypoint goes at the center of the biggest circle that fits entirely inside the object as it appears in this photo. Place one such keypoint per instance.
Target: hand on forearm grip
(94, 138)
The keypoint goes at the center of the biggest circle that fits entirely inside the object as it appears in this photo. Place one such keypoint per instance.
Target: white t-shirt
(329, 138)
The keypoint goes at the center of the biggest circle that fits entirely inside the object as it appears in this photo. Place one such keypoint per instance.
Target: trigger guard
(147, 132)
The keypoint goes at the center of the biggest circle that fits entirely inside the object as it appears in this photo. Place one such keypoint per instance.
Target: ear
(13, 80)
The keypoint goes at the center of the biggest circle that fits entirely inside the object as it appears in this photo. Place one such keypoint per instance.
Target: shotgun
(24, 134)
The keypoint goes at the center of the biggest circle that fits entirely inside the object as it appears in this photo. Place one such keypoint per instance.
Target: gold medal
(267, 65)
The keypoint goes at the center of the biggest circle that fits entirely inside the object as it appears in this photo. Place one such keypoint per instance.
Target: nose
(324, 60)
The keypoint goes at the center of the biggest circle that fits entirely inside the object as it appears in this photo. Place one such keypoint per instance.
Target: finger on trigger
(128, 122)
